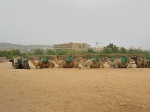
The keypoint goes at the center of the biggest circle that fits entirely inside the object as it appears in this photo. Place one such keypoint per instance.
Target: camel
(65, 64)
(61, 63)
(140, 63)
(83, 64)
(117, 63)
(71, 63)
(22, 65)
(90, 63)
(41, 64)
(148, 62)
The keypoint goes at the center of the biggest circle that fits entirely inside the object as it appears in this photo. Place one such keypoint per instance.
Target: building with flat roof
(71, 46)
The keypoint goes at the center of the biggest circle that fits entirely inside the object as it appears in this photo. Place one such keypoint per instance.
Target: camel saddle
(44, 60)
(19, 61)
(148, 59)
(123, 59)
(95, 59)
(69, 59)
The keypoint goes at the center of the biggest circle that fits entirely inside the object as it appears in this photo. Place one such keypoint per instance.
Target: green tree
(50, 52)
(72, 52)
(123, 50)
(16, 52)
(109, 49)
(61, 52)
(38, 52)
(25, 55)
(90, 51)
(131, 51)
(2, 54)
(9, 54)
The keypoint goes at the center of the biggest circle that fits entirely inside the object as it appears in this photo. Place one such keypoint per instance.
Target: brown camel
(41, 64)
(140, 63)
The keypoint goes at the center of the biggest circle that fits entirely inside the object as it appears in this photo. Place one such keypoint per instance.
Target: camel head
(134, 57)
(26, 64)
(78, 59)
(25, 60)
(53, 58)
(104, 59)
(11, 60)
(31, 58)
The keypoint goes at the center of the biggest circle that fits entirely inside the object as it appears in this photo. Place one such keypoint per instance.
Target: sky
(125, 23)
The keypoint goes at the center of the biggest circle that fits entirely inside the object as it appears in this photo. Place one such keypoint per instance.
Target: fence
(96, 55)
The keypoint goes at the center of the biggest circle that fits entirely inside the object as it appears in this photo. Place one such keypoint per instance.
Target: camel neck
(109, 62)
(13, 63)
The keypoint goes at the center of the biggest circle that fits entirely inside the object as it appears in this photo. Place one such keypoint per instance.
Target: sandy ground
(74, 90)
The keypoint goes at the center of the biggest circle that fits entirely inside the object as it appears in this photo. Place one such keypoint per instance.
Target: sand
(74, 90)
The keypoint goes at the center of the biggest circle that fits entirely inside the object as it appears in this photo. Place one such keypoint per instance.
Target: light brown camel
(118, 64)
(61, 63)
(41, 64)
(64, 64)
(90, 63)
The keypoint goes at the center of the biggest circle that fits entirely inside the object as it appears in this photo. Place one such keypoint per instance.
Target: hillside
(7, 46)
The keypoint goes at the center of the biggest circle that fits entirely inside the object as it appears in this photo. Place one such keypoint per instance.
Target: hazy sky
(122, 22)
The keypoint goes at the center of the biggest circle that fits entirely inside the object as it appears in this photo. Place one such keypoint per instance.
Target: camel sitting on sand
(20, 64)
(141, 63)
(122, 63)
(91, 63)
(72, 63)
(42, 63)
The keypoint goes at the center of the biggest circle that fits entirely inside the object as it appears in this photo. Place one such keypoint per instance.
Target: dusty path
(74, 90)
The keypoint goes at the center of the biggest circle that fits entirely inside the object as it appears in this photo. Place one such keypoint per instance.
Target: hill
(9, 46)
